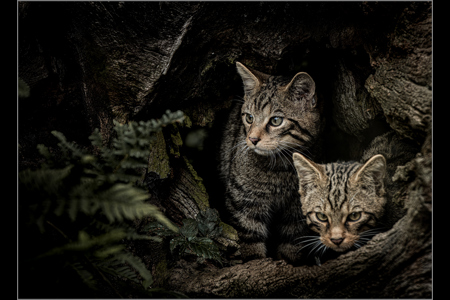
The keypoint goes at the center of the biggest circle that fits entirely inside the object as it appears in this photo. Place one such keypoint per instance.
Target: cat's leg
(253, 250)
(290, 230)
(250, 218)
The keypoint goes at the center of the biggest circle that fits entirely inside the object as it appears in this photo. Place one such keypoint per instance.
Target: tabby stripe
(306, 132)
(236, 185)
(248, 234)
(264, 105)
(255, 102)
(346, 185)
(313, 223)
(244, 132)
(237, 204)
(372, 215)
(297, 138)
(288, 232)
(258, 216)
(287, 130)
(243, 190)
(358, 226)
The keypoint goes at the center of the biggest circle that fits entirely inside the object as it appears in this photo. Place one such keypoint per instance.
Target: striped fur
(347, 203)
(341, 200)
(260, 178)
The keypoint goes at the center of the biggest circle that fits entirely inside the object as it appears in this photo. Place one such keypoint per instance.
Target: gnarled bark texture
(89, 63)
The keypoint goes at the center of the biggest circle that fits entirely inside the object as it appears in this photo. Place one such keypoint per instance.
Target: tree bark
(393, 264)
(90, 63)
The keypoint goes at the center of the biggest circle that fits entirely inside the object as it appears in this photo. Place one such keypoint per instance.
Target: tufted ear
(308, 172)
(302, 86)
(251, 82)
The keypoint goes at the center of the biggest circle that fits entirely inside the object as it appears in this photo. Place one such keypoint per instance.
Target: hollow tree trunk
(91, 62)
(394, 264)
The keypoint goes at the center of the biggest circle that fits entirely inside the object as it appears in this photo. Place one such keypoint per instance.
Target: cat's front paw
(289, 253)
(252, 251)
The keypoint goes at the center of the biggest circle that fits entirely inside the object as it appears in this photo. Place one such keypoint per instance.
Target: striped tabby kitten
(277, 117)
(347, 203)
(343, 202)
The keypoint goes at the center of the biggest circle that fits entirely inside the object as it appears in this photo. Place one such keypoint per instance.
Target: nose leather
(337, 241)
(254, 140)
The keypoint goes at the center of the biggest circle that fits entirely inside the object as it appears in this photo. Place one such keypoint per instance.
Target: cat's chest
(259, 178)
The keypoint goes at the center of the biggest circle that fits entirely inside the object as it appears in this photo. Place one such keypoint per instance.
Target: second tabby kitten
(347, 203)
(278, 116)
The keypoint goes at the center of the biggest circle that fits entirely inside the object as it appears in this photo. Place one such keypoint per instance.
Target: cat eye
(249, 118)
(276, 121)
(321, 217)
(355, 216)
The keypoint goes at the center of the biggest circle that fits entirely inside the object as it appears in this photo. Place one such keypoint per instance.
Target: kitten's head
(341, 201)
(279, 113)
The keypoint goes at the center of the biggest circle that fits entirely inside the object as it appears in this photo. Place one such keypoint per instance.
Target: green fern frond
(86, 276)
(70, 150)
(86, 242)
(83, 192)
(23, 89)
(138, 265)
(105, 252)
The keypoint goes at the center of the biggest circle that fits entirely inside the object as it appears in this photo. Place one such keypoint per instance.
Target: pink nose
(337, 241)
(254, 140)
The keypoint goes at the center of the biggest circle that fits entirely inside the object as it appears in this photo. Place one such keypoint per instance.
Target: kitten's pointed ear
(372, 172)
(308, 172)
(251, 82)
(302, 86)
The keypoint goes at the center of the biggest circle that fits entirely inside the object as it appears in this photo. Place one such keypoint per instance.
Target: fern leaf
(96, 138)
(43, 150)
(116, 267)
(105, 252)
(70, 149)
(85, 242)
(139, 266)
(86, 276)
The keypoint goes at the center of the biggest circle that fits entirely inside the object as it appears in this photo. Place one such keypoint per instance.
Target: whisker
(272, 160)
(306, 241)
(282, 157)
(243, 142)
(315, 244)
(305, 236)
(240, 151)
(322, 250)
(364, 239)
(288, 157)
(307, 244)
(294, 148)
(238, 99)
(308, 237)
(371, 232)
(301, 150)
(318, 244)
(316, 252)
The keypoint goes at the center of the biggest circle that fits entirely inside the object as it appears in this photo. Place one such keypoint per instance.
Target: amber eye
(276, 121)
(355, 216)
(321, 217)
(249, 118)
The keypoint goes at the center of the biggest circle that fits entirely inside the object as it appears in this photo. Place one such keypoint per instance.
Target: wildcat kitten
(347, 203)
(341, 201)
(277, 117)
